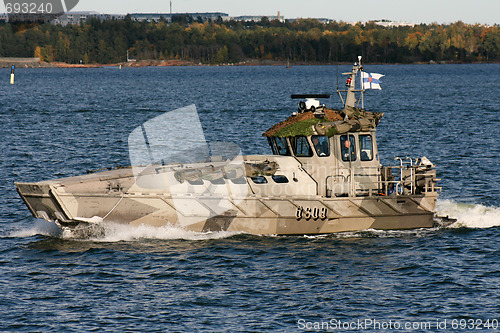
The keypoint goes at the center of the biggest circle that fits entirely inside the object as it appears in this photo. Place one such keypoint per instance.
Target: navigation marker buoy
(12, 74)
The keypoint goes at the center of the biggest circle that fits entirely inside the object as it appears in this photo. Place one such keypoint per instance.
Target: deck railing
(407, 178)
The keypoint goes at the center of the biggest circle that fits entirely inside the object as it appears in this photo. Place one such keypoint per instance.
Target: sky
(412, 11)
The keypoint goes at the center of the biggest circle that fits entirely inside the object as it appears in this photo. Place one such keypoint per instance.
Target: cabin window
(281, 147)
(348, 148)
(239, 181)
(280, 179)
(196, 182)
(218, 181)
(301, 147)
(321, 146)
(259, 180)
(366, 147)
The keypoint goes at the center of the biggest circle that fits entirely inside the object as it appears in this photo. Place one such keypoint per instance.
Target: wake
(113, 232)
(469, 215)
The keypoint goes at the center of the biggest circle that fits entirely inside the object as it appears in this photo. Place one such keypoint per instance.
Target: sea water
(63, 122)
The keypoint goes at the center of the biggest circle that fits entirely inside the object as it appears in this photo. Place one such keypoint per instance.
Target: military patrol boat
(324, 176)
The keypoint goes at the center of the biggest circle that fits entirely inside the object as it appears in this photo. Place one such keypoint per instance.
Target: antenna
(362, 84)
(337, 75)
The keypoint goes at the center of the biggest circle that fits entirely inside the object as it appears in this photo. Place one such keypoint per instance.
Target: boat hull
(253, 214)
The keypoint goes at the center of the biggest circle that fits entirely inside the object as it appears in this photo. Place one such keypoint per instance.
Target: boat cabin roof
(329, 122)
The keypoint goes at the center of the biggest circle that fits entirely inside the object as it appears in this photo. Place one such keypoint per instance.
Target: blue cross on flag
(371, 80)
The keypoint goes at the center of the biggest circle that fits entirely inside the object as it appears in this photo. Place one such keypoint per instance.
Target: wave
(469, 215)
(40, 227)
(377, 233)
(113, 232)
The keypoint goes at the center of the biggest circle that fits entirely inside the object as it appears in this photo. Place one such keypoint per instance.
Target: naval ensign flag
(371, 80)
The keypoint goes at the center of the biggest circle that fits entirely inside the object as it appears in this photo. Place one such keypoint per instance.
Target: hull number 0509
(311, 213)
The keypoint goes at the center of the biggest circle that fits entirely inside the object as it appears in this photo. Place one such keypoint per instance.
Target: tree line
(217, 42)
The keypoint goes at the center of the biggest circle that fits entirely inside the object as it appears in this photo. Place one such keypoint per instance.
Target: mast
(351, 100)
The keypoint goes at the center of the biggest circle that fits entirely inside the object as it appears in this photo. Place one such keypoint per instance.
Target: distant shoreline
(35, 63)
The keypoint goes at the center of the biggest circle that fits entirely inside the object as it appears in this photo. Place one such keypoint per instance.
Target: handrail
(403, 183)
(326, 184)
(412, 175)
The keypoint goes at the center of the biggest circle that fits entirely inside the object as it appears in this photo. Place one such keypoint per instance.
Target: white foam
(469, 215)
(113, 232)
(119, 232)
(40, 227)
(377, 233)
(316, 236)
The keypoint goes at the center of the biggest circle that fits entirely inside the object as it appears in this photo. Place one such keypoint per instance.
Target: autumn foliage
(217, 42)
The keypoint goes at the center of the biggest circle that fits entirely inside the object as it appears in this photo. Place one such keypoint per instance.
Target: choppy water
(62, 122)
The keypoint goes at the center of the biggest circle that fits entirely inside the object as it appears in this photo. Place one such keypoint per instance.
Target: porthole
(280, 179)
(259, 180)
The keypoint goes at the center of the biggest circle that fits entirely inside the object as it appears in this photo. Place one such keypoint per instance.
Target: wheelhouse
(333, 161)
(350, 147)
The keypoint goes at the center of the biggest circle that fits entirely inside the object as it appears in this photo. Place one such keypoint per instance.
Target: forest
(221, 42)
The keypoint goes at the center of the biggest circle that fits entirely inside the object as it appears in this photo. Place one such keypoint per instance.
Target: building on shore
(248, 18)
(82, 16)
(64, 19)
(255, 18)
(150, 17)
(78, 17)
(391, 24)
(321, 20)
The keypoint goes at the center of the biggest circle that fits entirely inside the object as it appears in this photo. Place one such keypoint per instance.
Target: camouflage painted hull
(113, 196)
